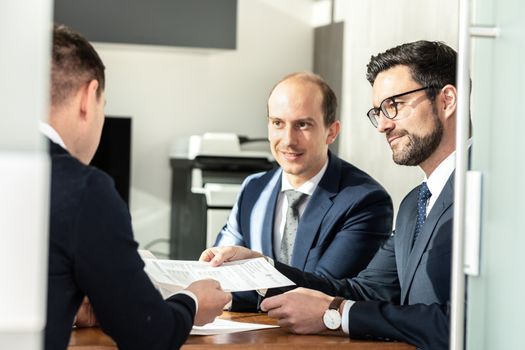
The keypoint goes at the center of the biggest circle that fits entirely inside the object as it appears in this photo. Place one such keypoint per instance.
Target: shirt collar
(309, 186)
(51, 134)
(439, 177)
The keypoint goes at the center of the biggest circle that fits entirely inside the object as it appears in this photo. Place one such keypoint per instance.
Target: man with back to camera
(404, 293)
(315, 212)
(91, 250)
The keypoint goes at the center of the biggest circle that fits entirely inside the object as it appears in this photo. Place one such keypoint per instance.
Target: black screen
(114, 153)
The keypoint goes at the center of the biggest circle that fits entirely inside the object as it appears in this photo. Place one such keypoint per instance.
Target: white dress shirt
(439, 177)
(51, 134)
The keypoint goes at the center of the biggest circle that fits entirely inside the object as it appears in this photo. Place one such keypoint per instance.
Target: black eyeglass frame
(373, 112)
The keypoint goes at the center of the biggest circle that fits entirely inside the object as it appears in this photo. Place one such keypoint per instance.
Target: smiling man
(404, 293)
(416, 141)
(315, 212)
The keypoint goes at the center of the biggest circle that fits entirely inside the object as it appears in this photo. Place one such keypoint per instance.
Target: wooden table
(274, 338)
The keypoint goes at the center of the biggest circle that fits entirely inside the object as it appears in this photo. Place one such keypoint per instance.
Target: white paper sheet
(170, 276)
(146, 254)
(220, 326)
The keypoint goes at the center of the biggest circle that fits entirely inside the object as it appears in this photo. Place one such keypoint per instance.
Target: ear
(448, 99)
(88, 99)
(333, 131)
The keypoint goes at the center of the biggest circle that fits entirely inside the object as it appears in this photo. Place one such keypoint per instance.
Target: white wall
(371, 27)
(173, 92)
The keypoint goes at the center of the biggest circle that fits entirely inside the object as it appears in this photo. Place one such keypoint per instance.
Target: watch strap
(336, 302)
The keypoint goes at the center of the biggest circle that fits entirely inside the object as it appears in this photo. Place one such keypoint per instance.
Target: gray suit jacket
(404, 293)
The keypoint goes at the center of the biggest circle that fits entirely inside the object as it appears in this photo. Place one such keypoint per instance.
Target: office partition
(495, 310)
(25, 36)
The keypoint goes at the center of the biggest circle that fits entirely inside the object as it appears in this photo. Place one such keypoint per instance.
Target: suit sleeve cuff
(191, 295)
(346, 316)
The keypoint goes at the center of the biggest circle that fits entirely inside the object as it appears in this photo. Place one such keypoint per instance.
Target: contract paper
(171, 276)
(220, 326)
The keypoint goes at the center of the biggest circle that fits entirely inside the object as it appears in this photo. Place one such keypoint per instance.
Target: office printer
(207, 173)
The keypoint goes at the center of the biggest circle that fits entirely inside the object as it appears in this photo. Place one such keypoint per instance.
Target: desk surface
(275, 338)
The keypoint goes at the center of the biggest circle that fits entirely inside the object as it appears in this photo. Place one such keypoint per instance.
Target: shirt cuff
(191, 295)
(262, 292)
(345, 320)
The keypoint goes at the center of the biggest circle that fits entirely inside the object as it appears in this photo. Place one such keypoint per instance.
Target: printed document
(220, 326)
(171, 276)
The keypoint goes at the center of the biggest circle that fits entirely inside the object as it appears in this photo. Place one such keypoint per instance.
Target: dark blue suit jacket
(92, 252)
(346, 220)
(404, 293)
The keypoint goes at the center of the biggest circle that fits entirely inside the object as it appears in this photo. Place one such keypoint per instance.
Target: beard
(420, 148)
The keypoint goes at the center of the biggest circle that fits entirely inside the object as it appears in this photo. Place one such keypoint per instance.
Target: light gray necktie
(295, 198)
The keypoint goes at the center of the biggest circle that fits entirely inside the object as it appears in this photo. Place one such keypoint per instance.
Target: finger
(217, 259)
(296, 290)
(284, 323)
(221, 255)
(278, 313)
(228, 298)
(207, 255)
(271, 303)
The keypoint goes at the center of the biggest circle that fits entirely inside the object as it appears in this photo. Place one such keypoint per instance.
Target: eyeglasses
(389, 107)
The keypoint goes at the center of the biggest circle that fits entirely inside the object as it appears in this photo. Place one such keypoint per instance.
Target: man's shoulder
(257, 181)
(348, 170)
(353, 178)
(70, 178)
(81, 196)
(66, 166)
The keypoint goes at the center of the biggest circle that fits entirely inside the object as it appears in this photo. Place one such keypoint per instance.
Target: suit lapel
(269, 215)
(445, 200)
(318, 206)
(405, 227)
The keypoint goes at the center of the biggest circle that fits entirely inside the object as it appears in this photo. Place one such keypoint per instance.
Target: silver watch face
(332, 319)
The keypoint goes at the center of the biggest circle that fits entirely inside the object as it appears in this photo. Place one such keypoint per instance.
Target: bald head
(328, 99)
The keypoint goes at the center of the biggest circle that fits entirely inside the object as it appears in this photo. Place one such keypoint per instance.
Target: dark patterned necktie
(422, 199)
(295, 198)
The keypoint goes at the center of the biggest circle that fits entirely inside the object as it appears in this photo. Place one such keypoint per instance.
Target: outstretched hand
(301, 310)
(218, 255)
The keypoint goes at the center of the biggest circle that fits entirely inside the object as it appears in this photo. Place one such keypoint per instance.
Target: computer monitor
(114, 153)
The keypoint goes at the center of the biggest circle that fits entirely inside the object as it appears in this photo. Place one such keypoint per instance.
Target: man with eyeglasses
(404, 293)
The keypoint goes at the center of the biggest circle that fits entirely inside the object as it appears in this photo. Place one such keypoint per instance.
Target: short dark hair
(431, 63)
(74, 63)
(329, 97)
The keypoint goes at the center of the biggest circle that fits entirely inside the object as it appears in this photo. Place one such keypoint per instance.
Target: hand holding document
(171, 276)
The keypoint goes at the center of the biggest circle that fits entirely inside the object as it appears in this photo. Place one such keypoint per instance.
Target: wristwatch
(332, 317)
